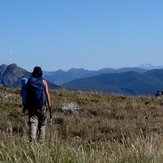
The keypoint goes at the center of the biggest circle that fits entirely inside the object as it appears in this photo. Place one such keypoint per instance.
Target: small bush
(59, 120)
(14, 113)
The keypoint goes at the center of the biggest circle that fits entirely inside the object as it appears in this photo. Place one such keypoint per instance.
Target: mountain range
(61, 77)
(11, 75)
(127, 81)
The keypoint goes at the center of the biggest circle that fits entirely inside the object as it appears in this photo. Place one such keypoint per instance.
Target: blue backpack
(24, 91)
(35, 97)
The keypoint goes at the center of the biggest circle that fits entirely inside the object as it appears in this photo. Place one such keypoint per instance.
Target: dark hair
(37, 72)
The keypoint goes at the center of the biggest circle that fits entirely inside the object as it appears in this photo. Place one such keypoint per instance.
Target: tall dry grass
(87, 127)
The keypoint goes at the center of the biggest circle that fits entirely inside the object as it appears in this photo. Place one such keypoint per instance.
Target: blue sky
(89, 34)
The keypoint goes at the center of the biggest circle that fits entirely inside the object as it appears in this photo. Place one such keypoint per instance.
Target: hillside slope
(11, 75)
(128, 83)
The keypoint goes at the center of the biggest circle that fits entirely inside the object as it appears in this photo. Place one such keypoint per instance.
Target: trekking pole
(50, 110)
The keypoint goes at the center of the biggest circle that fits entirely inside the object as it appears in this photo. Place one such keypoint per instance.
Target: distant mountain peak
(11, 75)
(148, 66)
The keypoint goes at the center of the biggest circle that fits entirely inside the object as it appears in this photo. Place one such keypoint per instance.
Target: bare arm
(47, 94)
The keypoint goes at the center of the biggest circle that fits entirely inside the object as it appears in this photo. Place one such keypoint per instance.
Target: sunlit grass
(106, 128)
(137, 150)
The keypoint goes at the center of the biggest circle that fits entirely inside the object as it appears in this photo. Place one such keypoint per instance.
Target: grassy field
(87, 128)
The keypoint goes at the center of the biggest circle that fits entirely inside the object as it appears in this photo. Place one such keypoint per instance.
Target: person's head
(37, 72)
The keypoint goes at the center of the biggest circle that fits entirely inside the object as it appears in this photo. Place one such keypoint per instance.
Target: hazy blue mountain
(127, 83)
(61, 77)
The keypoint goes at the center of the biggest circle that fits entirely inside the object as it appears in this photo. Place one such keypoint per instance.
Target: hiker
(37, 96)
